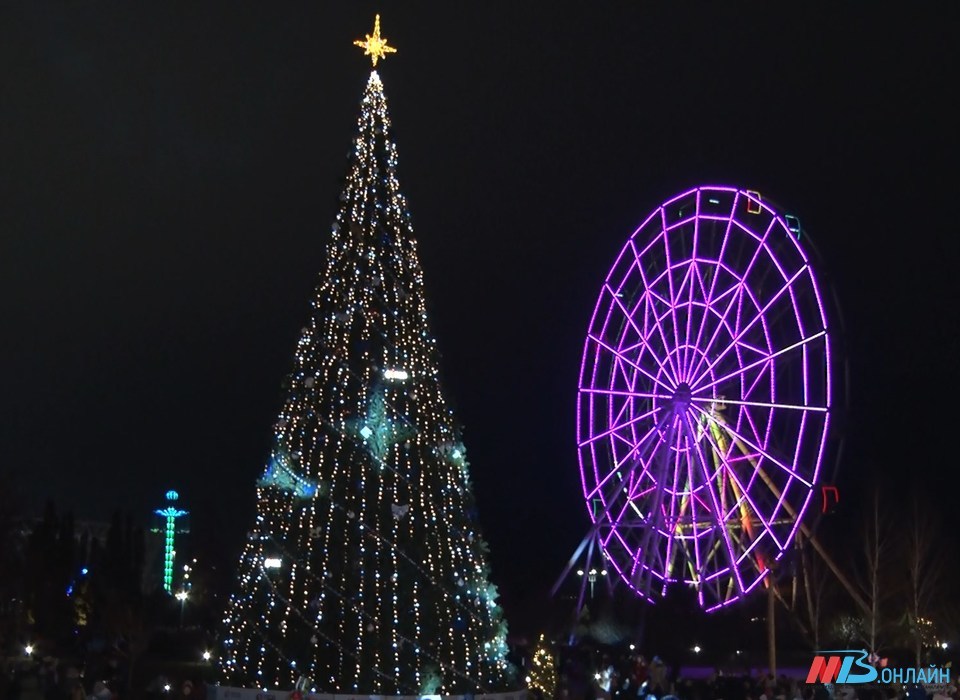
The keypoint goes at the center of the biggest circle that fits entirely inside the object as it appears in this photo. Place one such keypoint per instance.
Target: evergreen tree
(543, 670)
(365, 570)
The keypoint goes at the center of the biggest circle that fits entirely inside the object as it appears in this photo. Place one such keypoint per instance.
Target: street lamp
(696, 649)
(206, 656)
(592, 577)
(182, 596)
(28, 649)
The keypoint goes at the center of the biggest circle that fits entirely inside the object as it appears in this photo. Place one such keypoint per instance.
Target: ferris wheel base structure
(706, 396)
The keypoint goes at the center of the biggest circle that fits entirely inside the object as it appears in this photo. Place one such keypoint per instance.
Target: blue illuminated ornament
(280, 474)
(378, 431)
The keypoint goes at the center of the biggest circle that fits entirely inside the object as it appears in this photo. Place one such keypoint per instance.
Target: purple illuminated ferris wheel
(704, 397)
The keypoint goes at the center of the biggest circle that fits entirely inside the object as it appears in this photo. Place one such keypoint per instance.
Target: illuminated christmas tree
(543, 671)
(366, 571)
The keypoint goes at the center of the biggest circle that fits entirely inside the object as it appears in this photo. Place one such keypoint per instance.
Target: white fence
(225, 693)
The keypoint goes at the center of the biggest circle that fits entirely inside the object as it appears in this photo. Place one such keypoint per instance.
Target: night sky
(169, 173)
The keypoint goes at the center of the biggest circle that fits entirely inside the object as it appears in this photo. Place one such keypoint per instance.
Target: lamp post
(182, 597)
(592, 577)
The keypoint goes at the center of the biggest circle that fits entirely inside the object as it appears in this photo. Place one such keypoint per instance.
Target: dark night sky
(169, 173)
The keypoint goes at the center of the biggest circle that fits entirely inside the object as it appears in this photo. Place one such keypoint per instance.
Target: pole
(771, 625)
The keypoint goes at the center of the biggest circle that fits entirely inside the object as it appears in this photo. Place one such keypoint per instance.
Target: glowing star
(375, 46)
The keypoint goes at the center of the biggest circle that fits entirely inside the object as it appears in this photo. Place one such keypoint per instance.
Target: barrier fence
(221, 692)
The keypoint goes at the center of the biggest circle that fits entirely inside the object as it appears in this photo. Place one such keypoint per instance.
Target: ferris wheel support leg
(812, 613)
(588, 540)
(772, 626)
(834, 569)
(814, 542)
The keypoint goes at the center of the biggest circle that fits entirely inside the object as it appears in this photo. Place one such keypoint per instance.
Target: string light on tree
(543, 670)
(365, 571)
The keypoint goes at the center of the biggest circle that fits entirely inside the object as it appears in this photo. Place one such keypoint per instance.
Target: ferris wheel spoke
(730, 470)
(648, 293)
(618, 466)
(630, 362)
(759, 404)
(674, 311)
(669, 273)
(644, 337)
(736, 294)
(754, 447)
(741, 278)
(743, 331)
(628, 394)
(673, 516)
(693, 272)
(697, 388)
(619, 427)
(718, 265)
(664, 425)
(721, 516)
(687, 348)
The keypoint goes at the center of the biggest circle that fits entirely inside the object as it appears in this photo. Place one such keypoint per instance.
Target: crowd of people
(594, 676)
(50, 679)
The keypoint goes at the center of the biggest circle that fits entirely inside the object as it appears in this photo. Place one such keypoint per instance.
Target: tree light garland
(366, 499)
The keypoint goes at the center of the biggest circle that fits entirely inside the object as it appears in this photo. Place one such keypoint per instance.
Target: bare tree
(925, 575)
(877, 549)
(816, 580)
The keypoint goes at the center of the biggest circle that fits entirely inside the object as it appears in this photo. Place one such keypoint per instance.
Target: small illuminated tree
(543, 670)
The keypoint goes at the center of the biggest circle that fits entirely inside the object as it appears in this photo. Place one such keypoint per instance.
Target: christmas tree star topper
(375, 46)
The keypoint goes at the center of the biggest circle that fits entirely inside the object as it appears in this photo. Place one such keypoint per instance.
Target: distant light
(166, 688)
(272, 563)
(28, 649)
(696, 649)
(84, 571)
(632, 647)
(366, 432)
(579, 572)
(944, 646)
(596, 676)
(207, 655)
(182, 596)
(527, 679)
(397, 374)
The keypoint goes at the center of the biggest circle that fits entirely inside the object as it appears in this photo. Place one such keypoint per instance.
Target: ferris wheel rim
(678, 373)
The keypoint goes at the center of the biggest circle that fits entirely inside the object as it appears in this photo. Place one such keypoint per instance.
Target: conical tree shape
(366, 571)
(543, 670)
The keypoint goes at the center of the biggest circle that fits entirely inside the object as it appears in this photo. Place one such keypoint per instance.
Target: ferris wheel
(705, 397)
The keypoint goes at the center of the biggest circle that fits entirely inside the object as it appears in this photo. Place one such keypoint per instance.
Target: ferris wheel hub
(682, 396)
